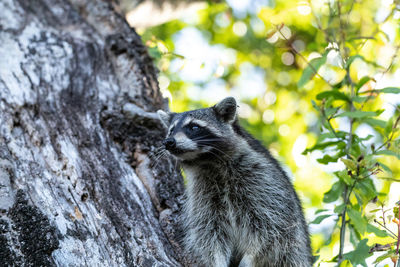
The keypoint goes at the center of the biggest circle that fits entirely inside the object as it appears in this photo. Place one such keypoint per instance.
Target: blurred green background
(258, 51)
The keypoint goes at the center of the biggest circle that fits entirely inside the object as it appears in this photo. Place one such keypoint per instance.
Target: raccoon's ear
(226, 109)
(165, 117)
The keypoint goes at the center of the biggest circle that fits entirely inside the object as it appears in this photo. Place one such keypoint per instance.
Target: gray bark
(80, 180)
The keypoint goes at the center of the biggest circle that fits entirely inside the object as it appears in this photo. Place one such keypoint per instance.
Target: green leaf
(396, 212)
(333, 93)
(309, 71)
(324, 136)
(315, 106)
(385, 167)
(367, 190)
(342, 175)
(320, 210)
(375, 210)
(334, 193)
(389, 127)
(388, 153)
(346, 263)
(321, 146)
(378, 232)
(355, 237)
(390, 179)
(363, 81)
(388, 254)
(364, 138)
(154, 52)
(358, 221)
(359, 255)
(359, 199)
(368, 161)
(330, 111)
(361, 99)
(320, 218)
(339, 208)
(375, 122)
(350, 164)
(389, 90)
(357, 114)
(351, 59)
(326, 159)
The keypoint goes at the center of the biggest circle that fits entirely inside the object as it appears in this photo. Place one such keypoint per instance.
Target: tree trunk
(80, 180)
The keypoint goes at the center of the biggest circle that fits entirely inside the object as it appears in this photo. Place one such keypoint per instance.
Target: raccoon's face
(201, 134)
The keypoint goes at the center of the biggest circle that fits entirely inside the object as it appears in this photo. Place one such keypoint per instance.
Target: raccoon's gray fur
(241, 208)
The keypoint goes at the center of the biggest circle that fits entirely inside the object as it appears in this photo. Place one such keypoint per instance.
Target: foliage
(329, 82)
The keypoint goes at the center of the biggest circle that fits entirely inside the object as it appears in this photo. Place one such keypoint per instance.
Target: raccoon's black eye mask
(193, 130)
(201, 135)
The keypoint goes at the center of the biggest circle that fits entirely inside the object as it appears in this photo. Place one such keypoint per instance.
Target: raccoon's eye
(194, 127)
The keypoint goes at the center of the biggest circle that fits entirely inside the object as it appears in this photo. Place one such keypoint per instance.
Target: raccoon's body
(241, 208)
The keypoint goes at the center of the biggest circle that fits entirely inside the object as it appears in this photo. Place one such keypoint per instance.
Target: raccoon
(241, 208)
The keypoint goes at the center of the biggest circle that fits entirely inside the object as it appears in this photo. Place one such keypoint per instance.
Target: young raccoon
(241, 208)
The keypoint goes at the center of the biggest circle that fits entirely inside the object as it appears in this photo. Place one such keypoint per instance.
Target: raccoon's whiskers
(208, 142)
(158, 157)
(176, 164)
(218, 157)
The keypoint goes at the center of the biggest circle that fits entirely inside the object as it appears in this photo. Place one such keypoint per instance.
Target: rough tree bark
(79, 185)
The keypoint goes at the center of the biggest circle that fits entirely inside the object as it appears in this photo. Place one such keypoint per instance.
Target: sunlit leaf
(342, 175)
(375, 122)
(320, 218)
(383, 257)
(349, 163)
(363, 81)
(359, 255)
(390, 90)
(346, 263)
(332, 93)
(388, 153)
(357, 114)
(362, 99)
(311, 70)
(334, 193)
(385, 167)
(320, 210)
(356, 218)
(390, 179)
(366, 188)
(155, 52)
(339, 208)
(321, 146)
(378, 232)
(326, 159)
(352, 58)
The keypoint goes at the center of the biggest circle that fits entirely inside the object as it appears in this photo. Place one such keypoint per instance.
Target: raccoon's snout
(169, 143)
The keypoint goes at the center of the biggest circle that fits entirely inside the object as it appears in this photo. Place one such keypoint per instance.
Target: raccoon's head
(202, 134)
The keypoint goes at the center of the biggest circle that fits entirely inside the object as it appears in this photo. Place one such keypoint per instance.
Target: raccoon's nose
(169, 143)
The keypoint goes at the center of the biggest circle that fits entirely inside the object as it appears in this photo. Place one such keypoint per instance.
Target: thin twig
(349, 143)
(393, 235)
(398, 234)
(293, 49)
(328, 120)
(391, 134)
